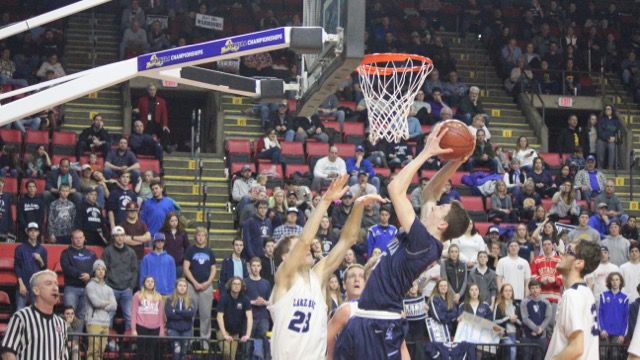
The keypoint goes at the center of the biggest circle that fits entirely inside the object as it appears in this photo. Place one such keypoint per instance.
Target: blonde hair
(154, 294)
(328, 292)
(186, 299)
(448, 297)
(201, 230)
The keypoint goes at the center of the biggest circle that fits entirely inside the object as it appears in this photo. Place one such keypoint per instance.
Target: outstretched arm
(348, 237)
(435, 187)
(398, 187)
(297, 254)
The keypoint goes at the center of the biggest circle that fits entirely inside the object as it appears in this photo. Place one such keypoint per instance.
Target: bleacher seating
(63, 142)
(149, 164)
(12, 137)
(353, 132)
(293, 153)
(239, 150)
(34, 138)
(10, 185)
(39, 185)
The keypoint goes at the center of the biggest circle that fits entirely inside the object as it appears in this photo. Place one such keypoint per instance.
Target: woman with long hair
(507, 315)
(524, 153)
(349, 259)
(608, 131)
(501, 205)
(542, 179)
(563, 175)
(539, 216)
(548, 230)
(278, 212)
(176, 239)
(271, 148)
(442, 307)
(333, 294)
(326, 235)
(565, 205)
(589, 136)
(470, 243)
(316, 250)
(526, 247)
(147, 318)
(179, 311)
(473, 305)
(455, 273)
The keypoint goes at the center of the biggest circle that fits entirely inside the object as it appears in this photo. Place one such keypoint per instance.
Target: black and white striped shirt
(34, 335)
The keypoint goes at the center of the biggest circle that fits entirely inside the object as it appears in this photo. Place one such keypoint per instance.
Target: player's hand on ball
(370, 199)
(433, 141)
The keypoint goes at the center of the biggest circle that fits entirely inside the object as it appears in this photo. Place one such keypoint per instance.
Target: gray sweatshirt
(618, 249)
(122, 267)
(99, 303)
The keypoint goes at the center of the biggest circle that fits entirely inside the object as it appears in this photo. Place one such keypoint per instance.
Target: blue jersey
(406, 257)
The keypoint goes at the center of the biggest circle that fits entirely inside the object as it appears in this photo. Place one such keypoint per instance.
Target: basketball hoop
(389, 84)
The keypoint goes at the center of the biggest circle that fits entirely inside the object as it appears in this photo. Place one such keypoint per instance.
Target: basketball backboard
(322, 73)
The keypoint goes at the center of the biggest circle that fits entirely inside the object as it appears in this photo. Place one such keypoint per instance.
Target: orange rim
(368, 64)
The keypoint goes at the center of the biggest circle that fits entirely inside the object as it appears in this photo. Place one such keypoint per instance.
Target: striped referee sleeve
(33, 335)
(13, 340)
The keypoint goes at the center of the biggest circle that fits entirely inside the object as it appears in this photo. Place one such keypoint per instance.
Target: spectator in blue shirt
(380, 235)
(233, 265)
(473, 305)
(613, 314)
(600, 221)
(449, 194)
(608, 128)
(121, 160)
(536, 315)
(155, 210)
(256, 230)
(258, 291)
(160, 265)
(358, 164)
(30, 257)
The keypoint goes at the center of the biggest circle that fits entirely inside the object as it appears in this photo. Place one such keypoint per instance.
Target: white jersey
(300, 321)
(599, 278)
(631, 274)
(634, 345)
(576, 312)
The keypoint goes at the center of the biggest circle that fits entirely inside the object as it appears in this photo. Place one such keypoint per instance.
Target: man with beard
(576, 333)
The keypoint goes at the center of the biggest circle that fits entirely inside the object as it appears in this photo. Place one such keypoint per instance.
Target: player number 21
(300, 322)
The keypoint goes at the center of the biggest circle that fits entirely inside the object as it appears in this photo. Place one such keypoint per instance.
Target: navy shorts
(371, 339)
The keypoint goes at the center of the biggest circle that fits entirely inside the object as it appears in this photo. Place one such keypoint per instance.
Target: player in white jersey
(298, 307)
(575, 335)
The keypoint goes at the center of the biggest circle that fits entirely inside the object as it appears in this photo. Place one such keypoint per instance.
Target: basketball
(458, 138)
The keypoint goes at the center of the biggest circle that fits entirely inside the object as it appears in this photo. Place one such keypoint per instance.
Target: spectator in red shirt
(543, 270)
(152, 111)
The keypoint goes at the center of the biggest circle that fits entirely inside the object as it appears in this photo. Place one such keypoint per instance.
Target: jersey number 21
(300, 322)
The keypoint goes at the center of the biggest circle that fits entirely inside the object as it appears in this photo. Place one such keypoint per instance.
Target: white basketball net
(389, 87)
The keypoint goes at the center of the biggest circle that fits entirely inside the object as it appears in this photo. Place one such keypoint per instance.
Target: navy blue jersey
(451, 351)
(406, 257)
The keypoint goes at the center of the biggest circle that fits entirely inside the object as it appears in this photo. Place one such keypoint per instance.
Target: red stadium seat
(316, 150)
(63, 142)
(472, 203)
(332, 125)
(547, 204)
(34, 138)
(11, 136)
(236, 167)
(293, 152)
(39, 185)
(382, 172)
(483, 227)
(267, 167)
(10, 185)
(346, 151)
(353, 132)
(552, 160)
(5, 306)
(239, 150)
(292, 104)
(149, 164)
(291, 169)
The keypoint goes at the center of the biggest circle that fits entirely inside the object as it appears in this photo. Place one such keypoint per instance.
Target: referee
(35, 332)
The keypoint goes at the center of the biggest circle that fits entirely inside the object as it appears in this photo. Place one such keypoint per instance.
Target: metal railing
(83, 346)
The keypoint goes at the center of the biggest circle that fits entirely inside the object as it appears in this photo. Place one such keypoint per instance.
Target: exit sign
(169, 83)
(565, 101)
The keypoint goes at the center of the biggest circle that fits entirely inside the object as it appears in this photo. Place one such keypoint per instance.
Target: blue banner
(209, 49)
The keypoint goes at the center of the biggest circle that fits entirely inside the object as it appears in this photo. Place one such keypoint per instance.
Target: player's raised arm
(297, 254)
(436, 185)
(348, 237)
(400, 184)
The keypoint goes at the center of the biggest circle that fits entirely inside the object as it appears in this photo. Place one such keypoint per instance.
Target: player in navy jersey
(377, 330)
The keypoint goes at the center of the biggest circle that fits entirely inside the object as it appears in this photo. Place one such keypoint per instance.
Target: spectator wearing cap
(77, 264)
(256, 230)
(100, 303)
(91, 221)
(120, 196)
(600, 220)
(293, 201)
(358, 164)
(282, 121)
(617, 245)
(583, 231)
(159, 265)
(242, 187)
(6, 217)
(589, 181)
(363, 187)
(615, 211)
(29, 258)
(31, 208)
(290, 227)
(62, 217)
(233, 265)
(122, 271)
(341, 212)
(122, 160)
(155, 210)
(328, 168)
(631, 273)
(137, 234)
(597, 280)
(144, 144)
(63, 175)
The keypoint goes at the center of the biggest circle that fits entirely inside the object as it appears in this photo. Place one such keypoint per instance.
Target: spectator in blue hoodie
(77, 265)
(6, 218)
(155, 210)
(30, 257)
(233, 265)
(358, 164)
(381, 234)
(179, 311)
(600, 221)
(536, 315)
(256, 230)
(160, 265)
(613, 314)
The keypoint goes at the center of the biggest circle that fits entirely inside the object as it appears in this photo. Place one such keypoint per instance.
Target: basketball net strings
(389, 97)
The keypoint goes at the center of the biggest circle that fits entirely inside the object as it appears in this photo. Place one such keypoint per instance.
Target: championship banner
(209, 22)
(477, 330)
